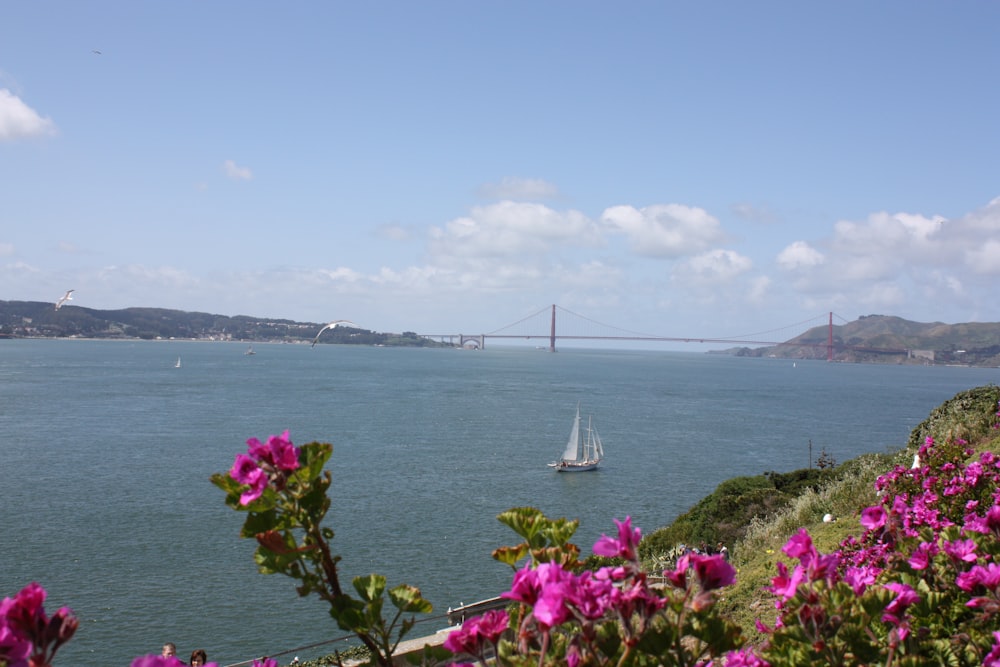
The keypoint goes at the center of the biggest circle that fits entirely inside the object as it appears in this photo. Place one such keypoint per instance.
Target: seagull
(331, 325)
(68, 296)
(95, 51)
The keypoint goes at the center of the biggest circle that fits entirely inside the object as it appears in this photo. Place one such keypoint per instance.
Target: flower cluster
(28, 637)
(607, 616)
(263, 464)
(922, 582)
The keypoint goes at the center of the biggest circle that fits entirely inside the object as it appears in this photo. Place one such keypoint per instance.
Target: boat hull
(575, 467)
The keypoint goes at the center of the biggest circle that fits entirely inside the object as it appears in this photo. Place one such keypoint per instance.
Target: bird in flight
(68, 296)
(96, 52)
(332, 325)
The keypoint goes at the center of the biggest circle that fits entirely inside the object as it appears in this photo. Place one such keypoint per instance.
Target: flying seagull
(331, 325)
(68, 296)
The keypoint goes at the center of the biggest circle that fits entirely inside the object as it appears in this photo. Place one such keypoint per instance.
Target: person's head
(169, 650)
(198, 658)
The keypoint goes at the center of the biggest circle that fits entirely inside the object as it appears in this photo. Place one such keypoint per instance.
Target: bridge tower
(552, 331)
(829, 339)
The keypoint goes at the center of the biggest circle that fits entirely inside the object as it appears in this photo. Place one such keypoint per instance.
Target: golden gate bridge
(541, 325)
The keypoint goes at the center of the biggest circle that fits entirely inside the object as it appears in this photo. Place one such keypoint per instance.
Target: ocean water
(107, 448)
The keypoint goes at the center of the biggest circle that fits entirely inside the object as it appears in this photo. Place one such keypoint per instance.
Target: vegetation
(887, 339)
(26, 319)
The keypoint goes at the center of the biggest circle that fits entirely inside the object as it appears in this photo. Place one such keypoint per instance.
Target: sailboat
(250, 350)
(178, 364)
(583, 449)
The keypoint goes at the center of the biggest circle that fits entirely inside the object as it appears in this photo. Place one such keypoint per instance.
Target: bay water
(106, 449)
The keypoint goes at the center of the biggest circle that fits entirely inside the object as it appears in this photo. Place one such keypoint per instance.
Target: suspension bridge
(541, 326)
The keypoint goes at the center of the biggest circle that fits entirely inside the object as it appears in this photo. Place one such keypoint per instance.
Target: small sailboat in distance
(584, 450)
(178, 364)
(250, 351)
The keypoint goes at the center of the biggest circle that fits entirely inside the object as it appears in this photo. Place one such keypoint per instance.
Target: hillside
(888, 339)
(36, 319)
(755, 532)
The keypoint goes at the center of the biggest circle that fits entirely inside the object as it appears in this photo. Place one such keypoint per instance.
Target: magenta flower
(265, 662)
(785, 586)
(14, 646)
(992, 659)
(525, 588)
(961, 550)
(873, 518)
(713, 572)
(246, 471)
(800, 546)
(590, 596)
(905, 596)
(469, 638)
(745, 657)
(279, 452)
(27, 633)
(624, 546)
(550, 607)
(922, 556)
(678, 576)
(987, 576)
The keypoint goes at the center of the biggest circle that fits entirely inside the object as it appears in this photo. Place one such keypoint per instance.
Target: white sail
(572, 451)
(584, 450)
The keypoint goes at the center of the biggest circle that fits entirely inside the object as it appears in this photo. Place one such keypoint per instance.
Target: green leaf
(408, 599)
(525, 521)
(510, 555)
(370, 587)
(349, 614)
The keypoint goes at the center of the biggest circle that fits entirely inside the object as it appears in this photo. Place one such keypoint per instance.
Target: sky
(703, 169)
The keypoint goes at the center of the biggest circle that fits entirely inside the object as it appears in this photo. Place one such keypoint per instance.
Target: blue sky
(676, 168)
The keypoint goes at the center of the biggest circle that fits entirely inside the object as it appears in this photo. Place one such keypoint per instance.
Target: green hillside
(35, 319)
(888, 339)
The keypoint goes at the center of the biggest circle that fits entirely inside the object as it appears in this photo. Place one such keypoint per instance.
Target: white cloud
(714, 267)
(510, 228)
(395, 232)
(754, 213)
(985, 258)
(799, 254)
(18, 120)
(664, 230)
(520, 189)
(237, 173)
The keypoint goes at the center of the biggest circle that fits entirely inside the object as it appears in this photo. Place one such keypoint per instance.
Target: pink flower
(785, 586)
(961, 550)
(905, 596)
(745, 657)
(987, 576)
(246, 471)
(800, 546)
(279, 452)
(922, 556)
(993, 657)
(550, 606)
(713, 572)
(678, 576)
(25, 630)
(264, 662)
(624, 546)
(873, 518)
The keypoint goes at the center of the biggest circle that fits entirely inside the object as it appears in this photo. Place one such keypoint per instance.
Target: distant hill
(888, 339)
(36, 319)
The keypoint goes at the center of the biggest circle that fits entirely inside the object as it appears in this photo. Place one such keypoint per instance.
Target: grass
(970, 415)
